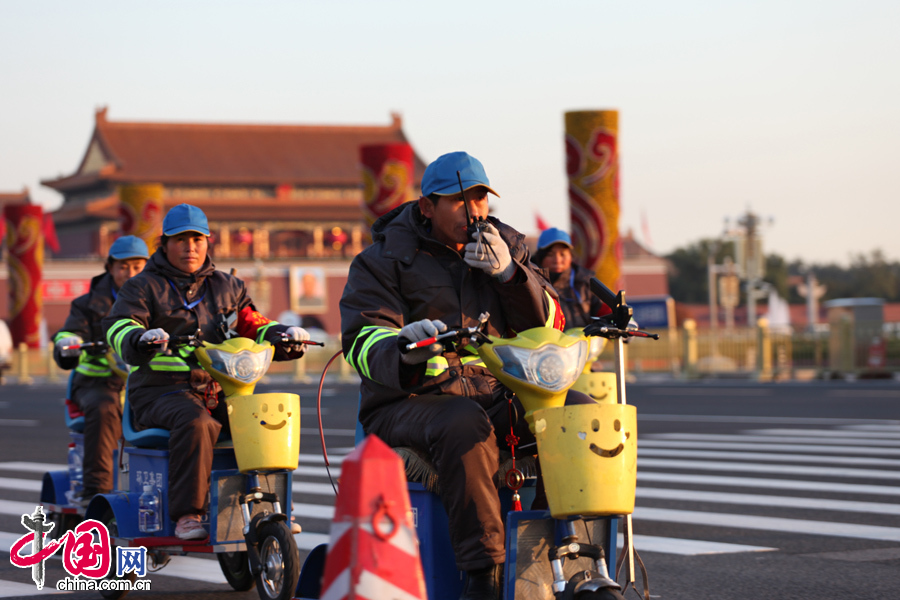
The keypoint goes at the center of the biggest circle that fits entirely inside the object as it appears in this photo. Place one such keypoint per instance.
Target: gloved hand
(490, 254)
(415, 332)
(73, 340)
(296, 334)
(153, 335)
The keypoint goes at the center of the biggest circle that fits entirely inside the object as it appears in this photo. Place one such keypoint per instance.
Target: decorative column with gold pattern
(387, 171)
(141, 212)
(25, 257)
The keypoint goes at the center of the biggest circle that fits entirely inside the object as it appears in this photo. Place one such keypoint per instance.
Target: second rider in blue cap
(179, 292)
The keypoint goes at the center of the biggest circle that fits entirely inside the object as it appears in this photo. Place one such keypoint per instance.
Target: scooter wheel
(236, 569)
(280, 561)
(109, 519)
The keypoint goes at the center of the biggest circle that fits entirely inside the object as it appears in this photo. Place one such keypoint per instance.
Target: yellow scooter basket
(265, 429)
(599, 385)
(588, 458)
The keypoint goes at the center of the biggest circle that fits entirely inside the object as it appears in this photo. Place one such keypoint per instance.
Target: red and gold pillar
(141, 212)
(387, 171)
(592, 164)
(25, 257)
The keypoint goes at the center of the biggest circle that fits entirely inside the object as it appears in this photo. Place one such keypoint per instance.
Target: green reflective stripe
(133, 369)
(64, 334)
(261, 332)
(186, 351)
(475, 361)
(364, 351)
(551, 310)
(100, 361)
(118, 331)
(169, 363)
(363, 335)
(436, 365)
(93, 371)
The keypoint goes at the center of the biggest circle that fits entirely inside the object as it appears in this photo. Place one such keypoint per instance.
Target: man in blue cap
(179, 292)
(95, 389)
(424, 273)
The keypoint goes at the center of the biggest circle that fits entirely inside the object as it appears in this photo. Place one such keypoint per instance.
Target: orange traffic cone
(373, 552)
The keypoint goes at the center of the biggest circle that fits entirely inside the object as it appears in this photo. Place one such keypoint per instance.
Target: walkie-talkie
(473, 225)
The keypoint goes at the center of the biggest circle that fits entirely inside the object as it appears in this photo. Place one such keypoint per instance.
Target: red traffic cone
(373, 552)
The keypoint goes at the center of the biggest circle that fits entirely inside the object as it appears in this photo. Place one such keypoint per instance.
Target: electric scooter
(250, 484)
(588, 456)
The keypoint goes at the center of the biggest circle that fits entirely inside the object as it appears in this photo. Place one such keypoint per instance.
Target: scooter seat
(155, 437)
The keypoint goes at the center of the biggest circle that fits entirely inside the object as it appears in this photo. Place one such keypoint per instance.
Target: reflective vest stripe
(363, 353)
(435, 366)
(368, 336)
(261, 332)
(169, 363)
(93, 370)
(118, 331)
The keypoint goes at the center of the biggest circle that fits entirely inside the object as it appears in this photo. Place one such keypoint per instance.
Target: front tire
(236, 569)
(109, 519)
(280, 562)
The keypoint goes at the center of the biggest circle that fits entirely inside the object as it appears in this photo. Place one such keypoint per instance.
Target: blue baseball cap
(554, 236)
(128, 246)
(440, 176)
(185, 217)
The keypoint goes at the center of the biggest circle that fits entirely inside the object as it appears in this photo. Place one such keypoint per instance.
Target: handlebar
(452, 335)
(601, 329)
(100, 346)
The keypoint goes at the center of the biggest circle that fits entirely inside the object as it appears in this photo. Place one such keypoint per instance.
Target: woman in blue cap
(571, 281)
(179, 292)
(95, 389)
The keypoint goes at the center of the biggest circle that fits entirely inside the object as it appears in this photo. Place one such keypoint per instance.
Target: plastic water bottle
(75, 473)
(149, 509)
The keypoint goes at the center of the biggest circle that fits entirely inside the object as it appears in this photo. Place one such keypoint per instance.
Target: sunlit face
(272, 416)
(187, 251)
(557, 259)
(448, 215)
(123, 270)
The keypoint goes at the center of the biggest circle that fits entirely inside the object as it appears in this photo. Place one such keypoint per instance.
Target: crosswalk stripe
(768, 439)
(893, 434)
(24, 485)
(765, 500)
(30, 467)
(11, 507)
(773, 447)
(735, 521)
(713, 465)
(684, 547)
(771, 457)
(777, 484)
(12, 588)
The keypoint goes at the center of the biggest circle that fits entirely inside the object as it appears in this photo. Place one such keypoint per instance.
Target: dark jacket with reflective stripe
(159, 297)
(405, 276)
(85, 321)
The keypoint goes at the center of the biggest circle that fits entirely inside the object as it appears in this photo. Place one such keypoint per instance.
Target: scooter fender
(591, 585)
(124, 507)
(252, 538)
(54, 486)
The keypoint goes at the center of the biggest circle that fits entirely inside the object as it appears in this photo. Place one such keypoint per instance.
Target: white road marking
(684, 547)
(829, 449)
(713, 465)
(766, 439)
(775, 484)
(773, 457)
(802, 526)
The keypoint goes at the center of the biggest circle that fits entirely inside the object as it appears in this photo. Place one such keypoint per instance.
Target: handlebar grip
(421, 343)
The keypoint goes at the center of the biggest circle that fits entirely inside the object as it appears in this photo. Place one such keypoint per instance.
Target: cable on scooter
(319, 412)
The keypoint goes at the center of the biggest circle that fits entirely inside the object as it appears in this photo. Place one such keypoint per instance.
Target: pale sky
(790, 108)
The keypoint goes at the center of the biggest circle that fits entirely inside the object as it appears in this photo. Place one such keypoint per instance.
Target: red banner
(25, 257)
(387, 171)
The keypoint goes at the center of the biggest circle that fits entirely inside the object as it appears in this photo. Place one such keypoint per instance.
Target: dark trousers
(102, 410)
(462, 440)
(193, 432)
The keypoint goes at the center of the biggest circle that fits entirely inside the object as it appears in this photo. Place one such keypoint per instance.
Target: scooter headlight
(244, 366)
(551, 367)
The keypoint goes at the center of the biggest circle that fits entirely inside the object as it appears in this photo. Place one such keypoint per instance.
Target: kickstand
(630, 554)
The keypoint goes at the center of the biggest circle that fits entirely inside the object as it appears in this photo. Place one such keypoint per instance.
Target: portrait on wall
(308, 290)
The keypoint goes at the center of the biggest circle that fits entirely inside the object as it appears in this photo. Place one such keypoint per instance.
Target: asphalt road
(745, 490)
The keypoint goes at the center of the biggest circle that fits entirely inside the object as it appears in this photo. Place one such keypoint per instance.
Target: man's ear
(426, 207)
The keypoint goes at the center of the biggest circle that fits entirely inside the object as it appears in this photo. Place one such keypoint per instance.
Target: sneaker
(189, 528)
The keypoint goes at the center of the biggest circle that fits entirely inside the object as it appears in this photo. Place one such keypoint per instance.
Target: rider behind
(421, 275)
(95, 387)
(179, 292)
(571, 281)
